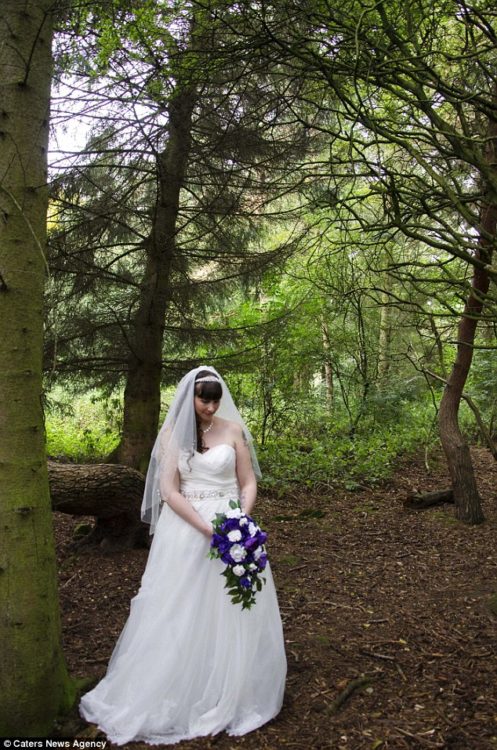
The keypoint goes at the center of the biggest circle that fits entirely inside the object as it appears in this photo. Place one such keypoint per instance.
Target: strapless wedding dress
(188, 662)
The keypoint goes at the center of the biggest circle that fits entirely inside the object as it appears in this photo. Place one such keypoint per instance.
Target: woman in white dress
(189, 662)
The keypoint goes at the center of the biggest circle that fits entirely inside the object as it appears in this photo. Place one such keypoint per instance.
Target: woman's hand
(185, 509)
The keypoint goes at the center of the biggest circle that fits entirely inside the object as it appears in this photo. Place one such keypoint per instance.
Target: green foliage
(323, 456)
(332, 308)
(83, 429)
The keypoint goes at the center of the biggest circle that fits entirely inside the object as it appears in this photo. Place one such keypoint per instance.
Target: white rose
(257, 553)
(238, 553)
(243, 521)
(234, 513)
(252, 566)
(239, 570)
(252, 529)
(235, 535)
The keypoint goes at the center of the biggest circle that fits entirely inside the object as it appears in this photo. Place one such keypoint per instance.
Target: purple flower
(246, 582)
(250, 543)
(217, 540)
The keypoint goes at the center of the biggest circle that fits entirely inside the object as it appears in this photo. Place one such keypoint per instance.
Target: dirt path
(366, 589)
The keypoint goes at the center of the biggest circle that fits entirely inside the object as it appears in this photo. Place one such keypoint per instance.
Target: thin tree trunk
(385, 334)
(439, 345)
(34, 685)
(466, 497)
(328, 367)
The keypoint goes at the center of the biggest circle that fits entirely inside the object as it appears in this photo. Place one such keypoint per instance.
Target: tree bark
(142, 391)
(428, 499)
(466, 497)
(385, 333)
(34, 684)
(327, 364)
(113, 494)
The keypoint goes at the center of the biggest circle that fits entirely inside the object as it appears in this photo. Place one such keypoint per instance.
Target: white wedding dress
(188, 662)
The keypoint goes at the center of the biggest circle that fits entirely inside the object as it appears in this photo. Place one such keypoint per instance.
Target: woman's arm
(245, 473)
(170, 493)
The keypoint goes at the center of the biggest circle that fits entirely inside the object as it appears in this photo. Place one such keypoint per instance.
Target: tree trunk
(113, 494)
(34, 685)
(142, 392)
(385, 334)
(328, 367)
(466, 497)
(439, 345)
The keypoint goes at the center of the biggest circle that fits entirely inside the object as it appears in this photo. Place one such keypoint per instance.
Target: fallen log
(417, 501)
(112, 493)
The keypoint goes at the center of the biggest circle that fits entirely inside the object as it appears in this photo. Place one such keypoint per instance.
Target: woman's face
(205, 408)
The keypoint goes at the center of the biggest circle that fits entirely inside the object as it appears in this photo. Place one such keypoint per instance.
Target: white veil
(178, 434)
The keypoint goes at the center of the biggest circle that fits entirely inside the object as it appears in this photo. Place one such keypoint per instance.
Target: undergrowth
(83, 429)
(336, 457)
(312, 452)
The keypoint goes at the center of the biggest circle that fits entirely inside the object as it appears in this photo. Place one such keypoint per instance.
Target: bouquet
(239, 542)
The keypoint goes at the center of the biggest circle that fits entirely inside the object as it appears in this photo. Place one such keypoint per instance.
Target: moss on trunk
(34, 685)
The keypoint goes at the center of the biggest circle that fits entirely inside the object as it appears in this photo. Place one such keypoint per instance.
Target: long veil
(178, 434)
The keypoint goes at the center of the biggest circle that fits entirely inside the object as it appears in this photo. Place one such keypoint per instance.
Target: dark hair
(209, 390)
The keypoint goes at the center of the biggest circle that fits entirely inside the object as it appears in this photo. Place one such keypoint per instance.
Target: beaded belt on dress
(209, 494)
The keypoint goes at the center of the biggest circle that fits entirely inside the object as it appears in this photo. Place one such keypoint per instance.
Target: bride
(188, 662)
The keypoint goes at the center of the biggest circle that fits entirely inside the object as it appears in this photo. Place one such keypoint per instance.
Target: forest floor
(389, 605)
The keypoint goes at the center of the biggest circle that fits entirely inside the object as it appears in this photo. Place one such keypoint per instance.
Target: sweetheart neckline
(215, 446)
